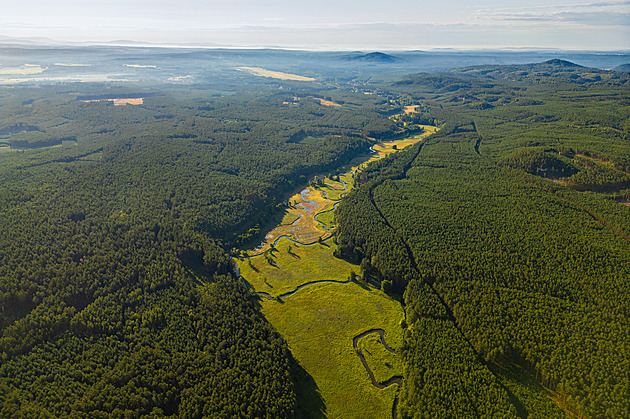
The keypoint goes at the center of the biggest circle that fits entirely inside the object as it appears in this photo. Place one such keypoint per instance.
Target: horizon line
(49, 42)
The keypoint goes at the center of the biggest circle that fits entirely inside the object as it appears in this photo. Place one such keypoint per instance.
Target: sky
(328, 24)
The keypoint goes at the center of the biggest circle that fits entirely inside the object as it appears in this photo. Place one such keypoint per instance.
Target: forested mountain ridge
(507, 234)
(552, 71)
(117, 294)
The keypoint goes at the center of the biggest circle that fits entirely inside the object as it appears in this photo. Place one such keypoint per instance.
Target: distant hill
(374, 57)
(502, 71)
(556, 63)
(622, 67)
(468, 82)
(551, 71)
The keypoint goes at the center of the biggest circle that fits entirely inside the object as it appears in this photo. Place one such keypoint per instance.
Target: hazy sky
(328, 24)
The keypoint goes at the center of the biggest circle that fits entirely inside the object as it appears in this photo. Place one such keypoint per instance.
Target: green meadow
(383, 363)
(327, 218)
(319, 323)
(320, 320)
(290, 265)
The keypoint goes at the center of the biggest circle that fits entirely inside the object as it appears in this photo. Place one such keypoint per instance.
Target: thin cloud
(588, 5)
(605, 3)
(601, 4)
(597, 18)
(599, 14)
(581, 25)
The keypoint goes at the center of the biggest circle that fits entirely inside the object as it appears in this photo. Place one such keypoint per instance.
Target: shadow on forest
(519, 373)
(310, 404)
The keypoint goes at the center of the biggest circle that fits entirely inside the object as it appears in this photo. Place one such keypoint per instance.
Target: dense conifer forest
(117, 294)
(507, 236)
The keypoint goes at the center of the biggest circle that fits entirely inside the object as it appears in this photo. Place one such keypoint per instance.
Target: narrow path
(414, 264)
(558, 193)
(397, 379)
(386, 221)
(595, 217)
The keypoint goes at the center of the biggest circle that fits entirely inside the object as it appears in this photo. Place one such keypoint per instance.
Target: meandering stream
(308, 208)
(397, 379)
(306, 284)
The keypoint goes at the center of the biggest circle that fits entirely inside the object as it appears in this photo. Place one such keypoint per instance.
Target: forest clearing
(307, 205)
(303, 287)
(119, 102)
(257, 71)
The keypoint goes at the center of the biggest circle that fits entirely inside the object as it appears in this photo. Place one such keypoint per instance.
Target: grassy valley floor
(320, 306)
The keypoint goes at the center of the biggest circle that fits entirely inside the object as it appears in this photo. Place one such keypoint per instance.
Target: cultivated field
(257, 71)
(22, 70)
(327, 102)
(119, 102)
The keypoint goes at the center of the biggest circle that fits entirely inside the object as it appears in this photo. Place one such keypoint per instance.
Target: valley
(184, 233)
(323, 308)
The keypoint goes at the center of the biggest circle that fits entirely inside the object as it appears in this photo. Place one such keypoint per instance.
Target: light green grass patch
(291, 265)
(334, 194)
(319, 323)
(383, 363)
(348, 179)
(327, 218)
(289, 218)
(334, 189)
